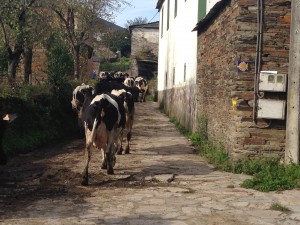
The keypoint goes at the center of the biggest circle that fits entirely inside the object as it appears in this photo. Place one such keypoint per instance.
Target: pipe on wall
(259, 41)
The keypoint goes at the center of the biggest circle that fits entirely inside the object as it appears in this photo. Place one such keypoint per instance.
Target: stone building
(230, 99)
(242, 54)
(144, 49)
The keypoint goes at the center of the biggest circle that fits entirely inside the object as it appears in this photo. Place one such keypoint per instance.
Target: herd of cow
(105, 112)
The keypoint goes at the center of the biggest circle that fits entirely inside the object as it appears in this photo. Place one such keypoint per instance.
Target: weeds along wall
(225, 96)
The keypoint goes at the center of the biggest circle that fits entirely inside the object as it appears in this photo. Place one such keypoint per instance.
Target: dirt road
(160, 182)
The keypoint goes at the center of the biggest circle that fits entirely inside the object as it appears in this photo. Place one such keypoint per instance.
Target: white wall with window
(177, 44)
(177, 57)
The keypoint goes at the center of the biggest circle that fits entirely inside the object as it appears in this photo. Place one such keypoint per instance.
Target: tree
(118, 40)
(78, 20)
(136, 21)
(13, 15)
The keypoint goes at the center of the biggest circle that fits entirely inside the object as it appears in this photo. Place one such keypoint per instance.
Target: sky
(138, 8)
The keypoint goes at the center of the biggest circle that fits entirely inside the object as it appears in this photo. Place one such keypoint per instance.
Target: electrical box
(271, 109)
(272, 82)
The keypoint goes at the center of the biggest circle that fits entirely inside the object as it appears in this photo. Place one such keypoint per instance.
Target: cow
(104, 119)
(4, 121)
(128, 100)
(79, 94)
(142, 85)
(129, 82)
(106, 86)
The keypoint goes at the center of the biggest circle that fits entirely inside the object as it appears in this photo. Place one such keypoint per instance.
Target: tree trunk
(13, 63)
(76, 62)
(27, 65)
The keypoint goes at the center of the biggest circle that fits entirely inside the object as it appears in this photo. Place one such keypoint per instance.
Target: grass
(268, 174)
(279, 207)
(150, 98)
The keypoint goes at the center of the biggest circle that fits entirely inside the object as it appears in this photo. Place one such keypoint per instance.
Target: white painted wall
(210, 4)
(178, 46)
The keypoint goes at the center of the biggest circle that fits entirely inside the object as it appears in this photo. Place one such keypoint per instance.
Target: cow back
(106, 108)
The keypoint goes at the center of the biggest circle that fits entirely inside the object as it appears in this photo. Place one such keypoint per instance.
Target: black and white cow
(4, 121)
(106, 86)
(129, 82)
(142, 85)
(104, 119)
(80, 93)
(128, 100)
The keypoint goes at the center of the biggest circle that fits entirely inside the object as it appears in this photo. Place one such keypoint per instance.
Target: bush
(43, 116)
(44, 112)
(59, 63)
(120, 65)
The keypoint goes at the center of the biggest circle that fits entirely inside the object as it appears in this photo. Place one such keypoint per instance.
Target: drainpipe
(259, 41)
(293, 117)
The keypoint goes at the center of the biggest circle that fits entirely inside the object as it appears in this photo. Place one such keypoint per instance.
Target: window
(166, 80)
(168, 15)
(162, 22)
(173, 76)
(175, 9)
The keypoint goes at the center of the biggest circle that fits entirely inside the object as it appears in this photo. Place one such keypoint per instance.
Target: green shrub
(59, 63)
(43, 115)
(122, 64)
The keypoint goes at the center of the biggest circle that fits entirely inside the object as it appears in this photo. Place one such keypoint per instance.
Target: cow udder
(101, 138)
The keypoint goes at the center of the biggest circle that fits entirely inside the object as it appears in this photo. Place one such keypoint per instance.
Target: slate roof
(153, 25)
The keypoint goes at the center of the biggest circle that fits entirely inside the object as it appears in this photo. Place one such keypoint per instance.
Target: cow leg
(104, 164)
(120, 150)
(3, 158)
(143, 97)
(111, 150)
(128, 140)
(85, 175)
(110, 169)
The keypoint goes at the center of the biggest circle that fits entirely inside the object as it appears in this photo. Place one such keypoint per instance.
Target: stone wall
(219, 84)
(39, 75)
(144, 46)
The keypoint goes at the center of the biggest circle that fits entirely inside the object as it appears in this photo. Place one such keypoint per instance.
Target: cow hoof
(103, 166)
(113, 161)
(110, 171)
(119, 152)
(84, 182)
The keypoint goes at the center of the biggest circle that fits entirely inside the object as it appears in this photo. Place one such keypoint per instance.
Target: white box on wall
(271, 109)
(272, 82)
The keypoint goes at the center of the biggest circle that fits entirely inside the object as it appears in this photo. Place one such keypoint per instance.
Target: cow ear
(5, 117)
(10, 117)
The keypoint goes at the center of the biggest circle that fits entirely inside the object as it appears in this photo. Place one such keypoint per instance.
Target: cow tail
(97, 120)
